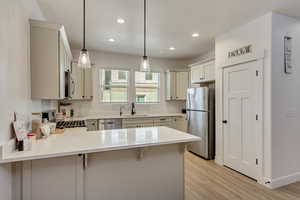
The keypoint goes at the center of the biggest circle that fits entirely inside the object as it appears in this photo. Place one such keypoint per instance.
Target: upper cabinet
(204, 72)
(50, 58)
(177, 84)
(81, 86)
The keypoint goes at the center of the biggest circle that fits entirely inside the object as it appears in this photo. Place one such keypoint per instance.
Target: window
(140, 98)
(122, 75)
(147, 87)
(114, 85)
(148, 76)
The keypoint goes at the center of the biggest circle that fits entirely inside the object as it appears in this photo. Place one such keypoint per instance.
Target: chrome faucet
(133, 109)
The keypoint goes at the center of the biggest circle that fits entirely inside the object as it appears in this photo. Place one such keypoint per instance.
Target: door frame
(259, 127)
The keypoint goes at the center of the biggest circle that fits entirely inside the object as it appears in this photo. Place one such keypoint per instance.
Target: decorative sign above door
(241, 51)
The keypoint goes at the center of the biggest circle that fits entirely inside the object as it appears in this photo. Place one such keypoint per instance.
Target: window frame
(128, 85)
(158, 88)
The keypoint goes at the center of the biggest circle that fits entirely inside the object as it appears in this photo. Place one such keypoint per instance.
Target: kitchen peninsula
(139, 163)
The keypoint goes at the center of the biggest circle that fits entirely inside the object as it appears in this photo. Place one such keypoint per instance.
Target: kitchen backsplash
(89, 108)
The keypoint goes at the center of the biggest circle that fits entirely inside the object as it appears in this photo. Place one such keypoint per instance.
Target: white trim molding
(282, 181)
(254, 55)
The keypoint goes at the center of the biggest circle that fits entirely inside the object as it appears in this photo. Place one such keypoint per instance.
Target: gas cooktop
(70, 124)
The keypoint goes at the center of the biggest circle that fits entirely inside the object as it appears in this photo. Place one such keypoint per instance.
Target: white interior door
(242, 110)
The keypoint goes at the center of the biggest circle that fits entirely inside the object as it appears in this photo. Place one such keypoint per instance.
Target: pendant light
(84, 58)
(145, 66)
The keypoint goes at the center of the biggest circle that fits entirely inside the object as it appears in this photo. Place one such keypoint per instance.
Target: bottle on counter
(36, 128)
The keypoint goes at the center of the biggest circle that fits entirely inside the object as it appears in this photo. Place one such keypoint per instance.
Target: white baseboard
(284, 180)
(219, 160)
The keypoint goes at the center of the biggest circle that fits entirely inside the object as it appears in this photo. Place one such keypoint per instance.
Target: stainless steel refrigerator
(200, 112)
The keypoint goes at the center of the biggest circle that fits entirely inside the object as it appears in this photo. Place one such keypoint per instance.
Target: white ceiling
(170, 22)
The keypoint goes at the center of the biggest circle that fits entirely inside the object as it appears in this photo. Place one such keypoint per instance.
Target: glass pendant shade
(84, 59)
(145, 66)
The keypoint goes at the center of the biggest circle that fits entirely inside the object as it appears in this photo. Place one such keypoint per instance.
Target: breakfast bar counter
(79, 141)
(139, 163)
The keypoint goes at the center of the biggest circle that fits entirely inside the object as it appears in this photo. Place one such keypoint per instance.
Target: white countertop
(78, 140)
(127, 116)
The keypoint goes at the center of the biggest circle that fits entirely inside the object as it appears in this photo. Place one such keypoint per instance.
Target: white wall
(285, 102)
(119, 61)
(14, 76)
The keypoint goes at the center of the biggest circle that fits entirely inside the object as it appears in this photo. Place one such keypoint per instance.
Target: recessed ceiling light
(121, 20)
(172, 48)
(195, 35)
(111, 40)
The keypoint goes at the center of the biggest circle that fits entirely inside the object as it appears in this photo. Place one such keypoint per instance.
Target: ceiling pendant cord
(145, 66)
(145, 28)
(84, 58)
(83, 24)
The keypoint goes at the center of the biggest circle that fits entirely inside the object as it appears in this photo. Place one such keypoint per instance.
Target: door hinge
(256, 72)
(256, 117)
(256, 161)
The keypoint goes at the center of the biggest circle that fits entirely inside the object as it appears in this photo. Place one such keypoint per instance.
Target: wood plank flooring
(205, 180)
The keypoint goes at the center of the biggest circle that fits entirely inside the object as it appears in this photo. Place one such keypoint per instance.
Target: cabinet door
(62, 68)
(44, 63)
(77, 75)
(120, 175)
(181, 124)
(170, 85)
(182, 84)
(197, 74)
(88, 84)
(209, 71)
(53, 178)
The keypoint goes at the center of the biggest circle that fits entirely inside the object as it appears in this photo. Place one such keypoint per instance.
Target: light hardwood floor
(204, 180)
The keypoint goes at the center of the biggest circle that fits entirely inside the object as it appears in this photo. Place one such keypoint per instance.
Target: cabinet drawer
(138, 125)
(137, 121)
(162, 120)
(163, 124)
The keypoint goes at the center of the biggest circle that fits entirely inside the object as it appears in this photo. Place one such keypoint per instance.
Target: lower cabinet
(178, 123)
(53, 178)
(157, 173)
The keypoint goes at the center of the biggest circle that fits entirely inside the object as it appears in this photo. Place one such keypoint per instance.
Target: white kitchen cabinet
(182, 84)
(181, 124)
(177, 84)
(197, 74)
(77, 78)
(204, 72)
(50, 57)
(178, 123)
(117, 175)
(170, 85)
(88, 83)
(83, 83)
(148, 178)
(137, 122)
(53, 178)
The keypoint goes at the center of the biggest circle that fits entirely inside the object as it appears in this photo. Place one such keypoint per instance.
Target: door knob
(224, 121)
